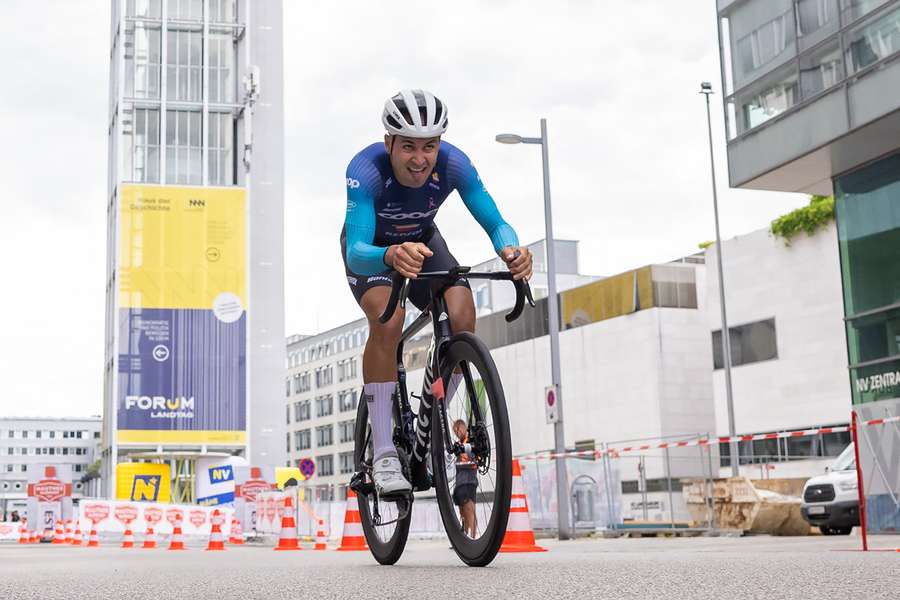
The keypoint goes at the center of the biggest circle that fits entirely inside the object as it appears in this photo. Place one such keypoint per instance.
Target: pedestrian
(466, 482)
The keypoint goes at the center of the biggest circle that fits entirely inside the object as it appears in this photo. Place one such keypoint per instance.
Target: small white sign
(551, 407)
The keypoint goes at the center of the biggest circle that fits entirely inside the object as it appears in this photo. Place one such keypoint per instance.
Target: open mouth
(417, 171)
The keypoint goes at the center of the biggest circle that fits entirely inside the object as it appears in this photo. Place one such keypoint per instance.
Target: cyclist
(394, 190)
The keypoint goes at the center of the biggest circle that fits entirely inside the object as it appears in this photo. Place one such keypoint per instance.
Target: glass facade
(180, 91)
(781, 53)
(867, 203)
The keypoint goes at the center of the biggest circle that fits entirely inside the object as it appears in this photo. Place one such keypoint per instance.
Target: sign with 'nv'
(221, 473)
(145, 488)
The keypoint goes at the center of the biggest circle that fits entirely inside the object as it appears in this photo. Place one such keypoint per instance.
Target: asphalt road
(753, 567)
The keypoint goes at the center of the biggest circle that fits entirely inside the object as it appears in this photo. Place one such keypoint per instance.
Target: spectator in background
(466, 482)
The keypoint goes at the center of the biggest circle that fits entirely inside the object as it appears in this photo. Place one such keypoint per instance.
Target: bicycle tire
(479, 552)
(385, 552)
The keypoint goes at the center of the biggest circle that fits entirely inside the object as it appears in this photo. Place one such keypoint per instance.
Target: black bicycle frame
(415, 437)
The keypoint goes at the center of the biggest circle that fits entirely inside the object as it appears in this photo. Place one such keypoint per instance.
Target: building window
(870, 42)
(24, 434)
(221, 67)
(347, 369)
(346, 462)
(142, 60)
(767, 99)
(96, 435)
(750, 343)
(287, 442)
(347, 400)
(184, 65)
(140, 133)
(324, 405)
(324, 376)
(325, 465)
(301, 410)
(287, 387)
(185, 10)
(345, 430)
(854, 9)
(220, 169)
(222, 11)
(324, 435)
(183, 147)
(287, 414)
(302, 439)
(143, 8)
(765, 43)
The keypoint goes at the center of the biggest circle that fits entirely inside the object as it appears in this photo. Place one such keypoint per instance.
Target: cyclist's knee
(461, 308)
(387, 334)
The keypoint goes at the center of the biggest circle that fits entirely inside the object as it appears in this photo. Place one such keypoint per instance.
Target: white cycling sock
(378, 399)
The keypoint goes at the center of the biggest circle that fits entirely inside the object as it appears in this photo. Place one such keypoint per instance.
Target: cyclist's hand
(407, 258)
(519, 261)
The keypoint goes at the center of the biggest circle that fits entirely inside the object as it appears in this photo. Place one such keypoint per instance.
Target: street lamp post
(562, 479)
(706, 90)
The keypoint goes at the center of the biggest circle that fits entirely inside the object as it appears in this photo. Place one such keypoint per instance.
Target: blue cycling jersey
(382, 212)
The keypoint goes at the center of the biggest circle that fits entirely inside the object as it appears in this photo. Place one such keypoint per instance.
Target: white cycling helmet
(415, 114)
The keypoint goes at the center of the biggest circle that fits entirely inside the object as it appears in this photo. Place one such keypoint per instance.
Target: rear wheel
(386, 542)
(472, 488)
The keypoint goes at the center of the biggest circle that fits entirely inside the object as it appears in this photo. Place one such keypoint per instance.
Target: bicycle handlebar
(400, 289)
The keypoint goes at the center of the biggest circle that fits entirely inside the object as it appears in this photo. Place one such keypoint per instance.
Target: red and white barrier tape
(613, 452)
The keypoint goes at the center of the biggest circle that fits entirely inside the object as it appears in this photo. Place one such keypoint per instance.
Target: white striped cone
(94, 539)
(237, 533)
(177, 539)
(60, 536)
(149, 538)
(519, 534)
(288, 538)
(76, 537)
(353, 538)
(216, 539)
(320, 536)
(128, 539)
(68, 538)
(24, 537)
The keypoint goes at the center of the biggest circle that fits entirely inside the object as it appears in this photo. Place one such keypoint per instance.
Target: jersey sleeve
(363, 183)
(463, 176)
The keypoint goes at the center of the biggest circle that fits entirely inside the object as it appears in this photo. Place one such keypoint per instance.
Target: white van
(831, 501)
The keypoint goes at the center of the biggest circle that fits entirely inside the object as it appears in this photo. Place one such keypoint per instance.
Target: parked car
(831, 501)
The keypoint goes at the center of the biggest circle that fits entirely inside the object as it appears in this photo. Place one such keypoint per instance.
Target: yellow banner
(611, 297)
(181, 247)
(184, 436)
(143, 482)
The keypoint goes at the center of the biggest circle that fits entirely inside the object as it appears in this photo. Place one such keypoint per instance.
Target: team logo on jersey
(388, 183)
(350, 205)
(407, 216)
(435, 177)
(352, 183)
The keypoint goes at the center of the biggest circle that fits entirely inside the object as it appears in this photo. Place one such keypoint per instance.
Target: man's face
(412, 160)
(459, 428)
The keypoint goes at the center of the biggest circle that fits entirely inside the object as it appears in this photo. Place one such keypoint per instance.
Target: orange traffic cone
(68, 538)
(177, 539)
(128, 540)
(320, 536)
(76, 537)
(94, 539)
(216, 540)
(35, 537)
(60, 537)
(237, 533)
(149, 537)
(24, 537)
(353, 538)
(288, 538)
(519, 534)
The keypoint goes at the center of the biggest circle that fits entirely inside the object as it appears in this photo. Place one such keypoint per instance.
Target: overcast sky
(617, 81)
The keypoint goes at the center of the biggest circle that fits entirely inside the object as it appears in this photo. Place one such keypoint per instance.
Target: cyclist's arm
(479, 202)
(363, 182)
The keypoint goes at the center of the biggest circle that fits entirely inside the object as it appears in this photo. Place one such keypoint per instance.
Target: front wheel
(473, 487)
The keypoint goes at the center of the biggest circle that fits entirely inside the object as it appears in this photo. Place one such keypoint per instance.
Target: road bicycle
(484, 449)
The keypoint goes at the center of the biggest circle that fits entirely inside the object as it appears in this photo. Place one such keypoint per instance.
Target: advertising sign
(182, 316)
(197, 517)
(126, 513)
(95, 511)
(174, 515)
(215, 482)
(152, 514)
(143, 482)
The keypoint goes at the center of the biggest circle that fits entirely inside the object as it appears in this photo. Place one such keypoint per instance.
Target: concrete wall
(800, 286)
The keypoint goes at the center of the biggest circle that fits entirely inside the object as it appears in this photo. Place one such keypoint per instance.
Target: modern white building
(194, 346)
(789, 357)
(25, 442)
